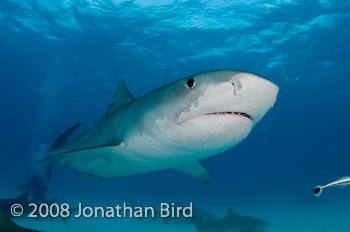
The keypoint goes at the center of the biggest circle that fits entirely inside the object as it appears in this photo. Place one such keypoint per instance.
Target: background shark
(7, 225)
(233, 223)
(34, 190)
(174, 126)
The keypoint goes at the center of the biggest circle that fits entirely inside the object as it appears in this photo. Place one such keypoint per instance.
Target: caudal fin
(60, 141)
(318, 190)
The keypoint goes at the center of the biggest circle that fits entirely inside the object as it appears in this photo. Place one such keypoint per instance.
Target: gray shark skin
(233, 223)
(172, 127)
(6, 224)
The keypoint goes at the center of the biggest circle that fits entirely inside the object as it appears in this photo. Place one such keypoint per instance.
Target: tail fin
(60, 141)
(318, 190)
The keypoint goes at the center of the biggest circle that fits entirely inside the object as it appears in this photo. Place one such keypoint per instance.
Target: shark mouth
(219, 113)
(237, 113)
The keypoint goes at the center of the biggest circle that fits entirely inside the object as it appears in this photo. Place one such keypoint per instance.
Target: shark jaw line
(236, 113)
(225, 113)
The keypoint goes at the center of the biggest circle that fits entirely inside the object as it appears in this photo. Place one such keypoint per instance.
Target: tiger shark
(172, 127)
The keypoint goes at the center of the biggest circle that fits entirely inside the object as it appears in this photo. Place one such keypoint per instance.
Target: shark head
(215, 95)
(212, 111)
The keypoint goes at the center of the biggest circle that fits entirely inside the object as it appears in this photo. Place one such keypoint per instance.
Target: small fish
(342, 182)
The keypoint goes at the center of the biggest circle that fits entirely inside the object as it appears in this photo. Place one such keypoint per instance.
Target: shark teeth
(237, 113)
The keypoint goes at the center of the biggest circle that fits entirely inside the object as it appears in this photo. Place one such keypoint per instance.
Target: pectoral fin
(195, 169)
(91, 161)
(91, 153)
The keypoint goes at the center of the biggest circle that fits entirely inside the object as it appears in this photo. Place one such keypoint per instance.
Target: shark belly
(115, 161)
(142, 153)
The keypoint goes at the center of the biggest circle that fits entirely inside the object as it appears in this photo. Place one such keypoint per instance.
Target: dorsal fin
(121, 97)
(231, 214)
(63, 138)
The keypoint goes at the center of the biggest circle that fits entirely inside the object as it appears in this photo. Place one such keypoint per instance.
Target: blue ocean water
(62, 60)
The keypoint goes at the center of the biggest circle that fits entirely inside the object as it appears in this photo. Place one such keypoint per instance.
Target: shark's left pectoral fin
(89, 154)
(85, 155)
(195, 169)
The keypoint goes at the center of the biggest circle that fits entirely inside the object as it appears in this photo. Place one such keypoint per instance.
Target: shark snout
(258, 95)
(243, 80)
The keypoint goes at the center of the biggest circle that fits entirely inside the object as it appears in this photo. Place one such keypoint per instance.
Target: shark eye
(190, 83)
